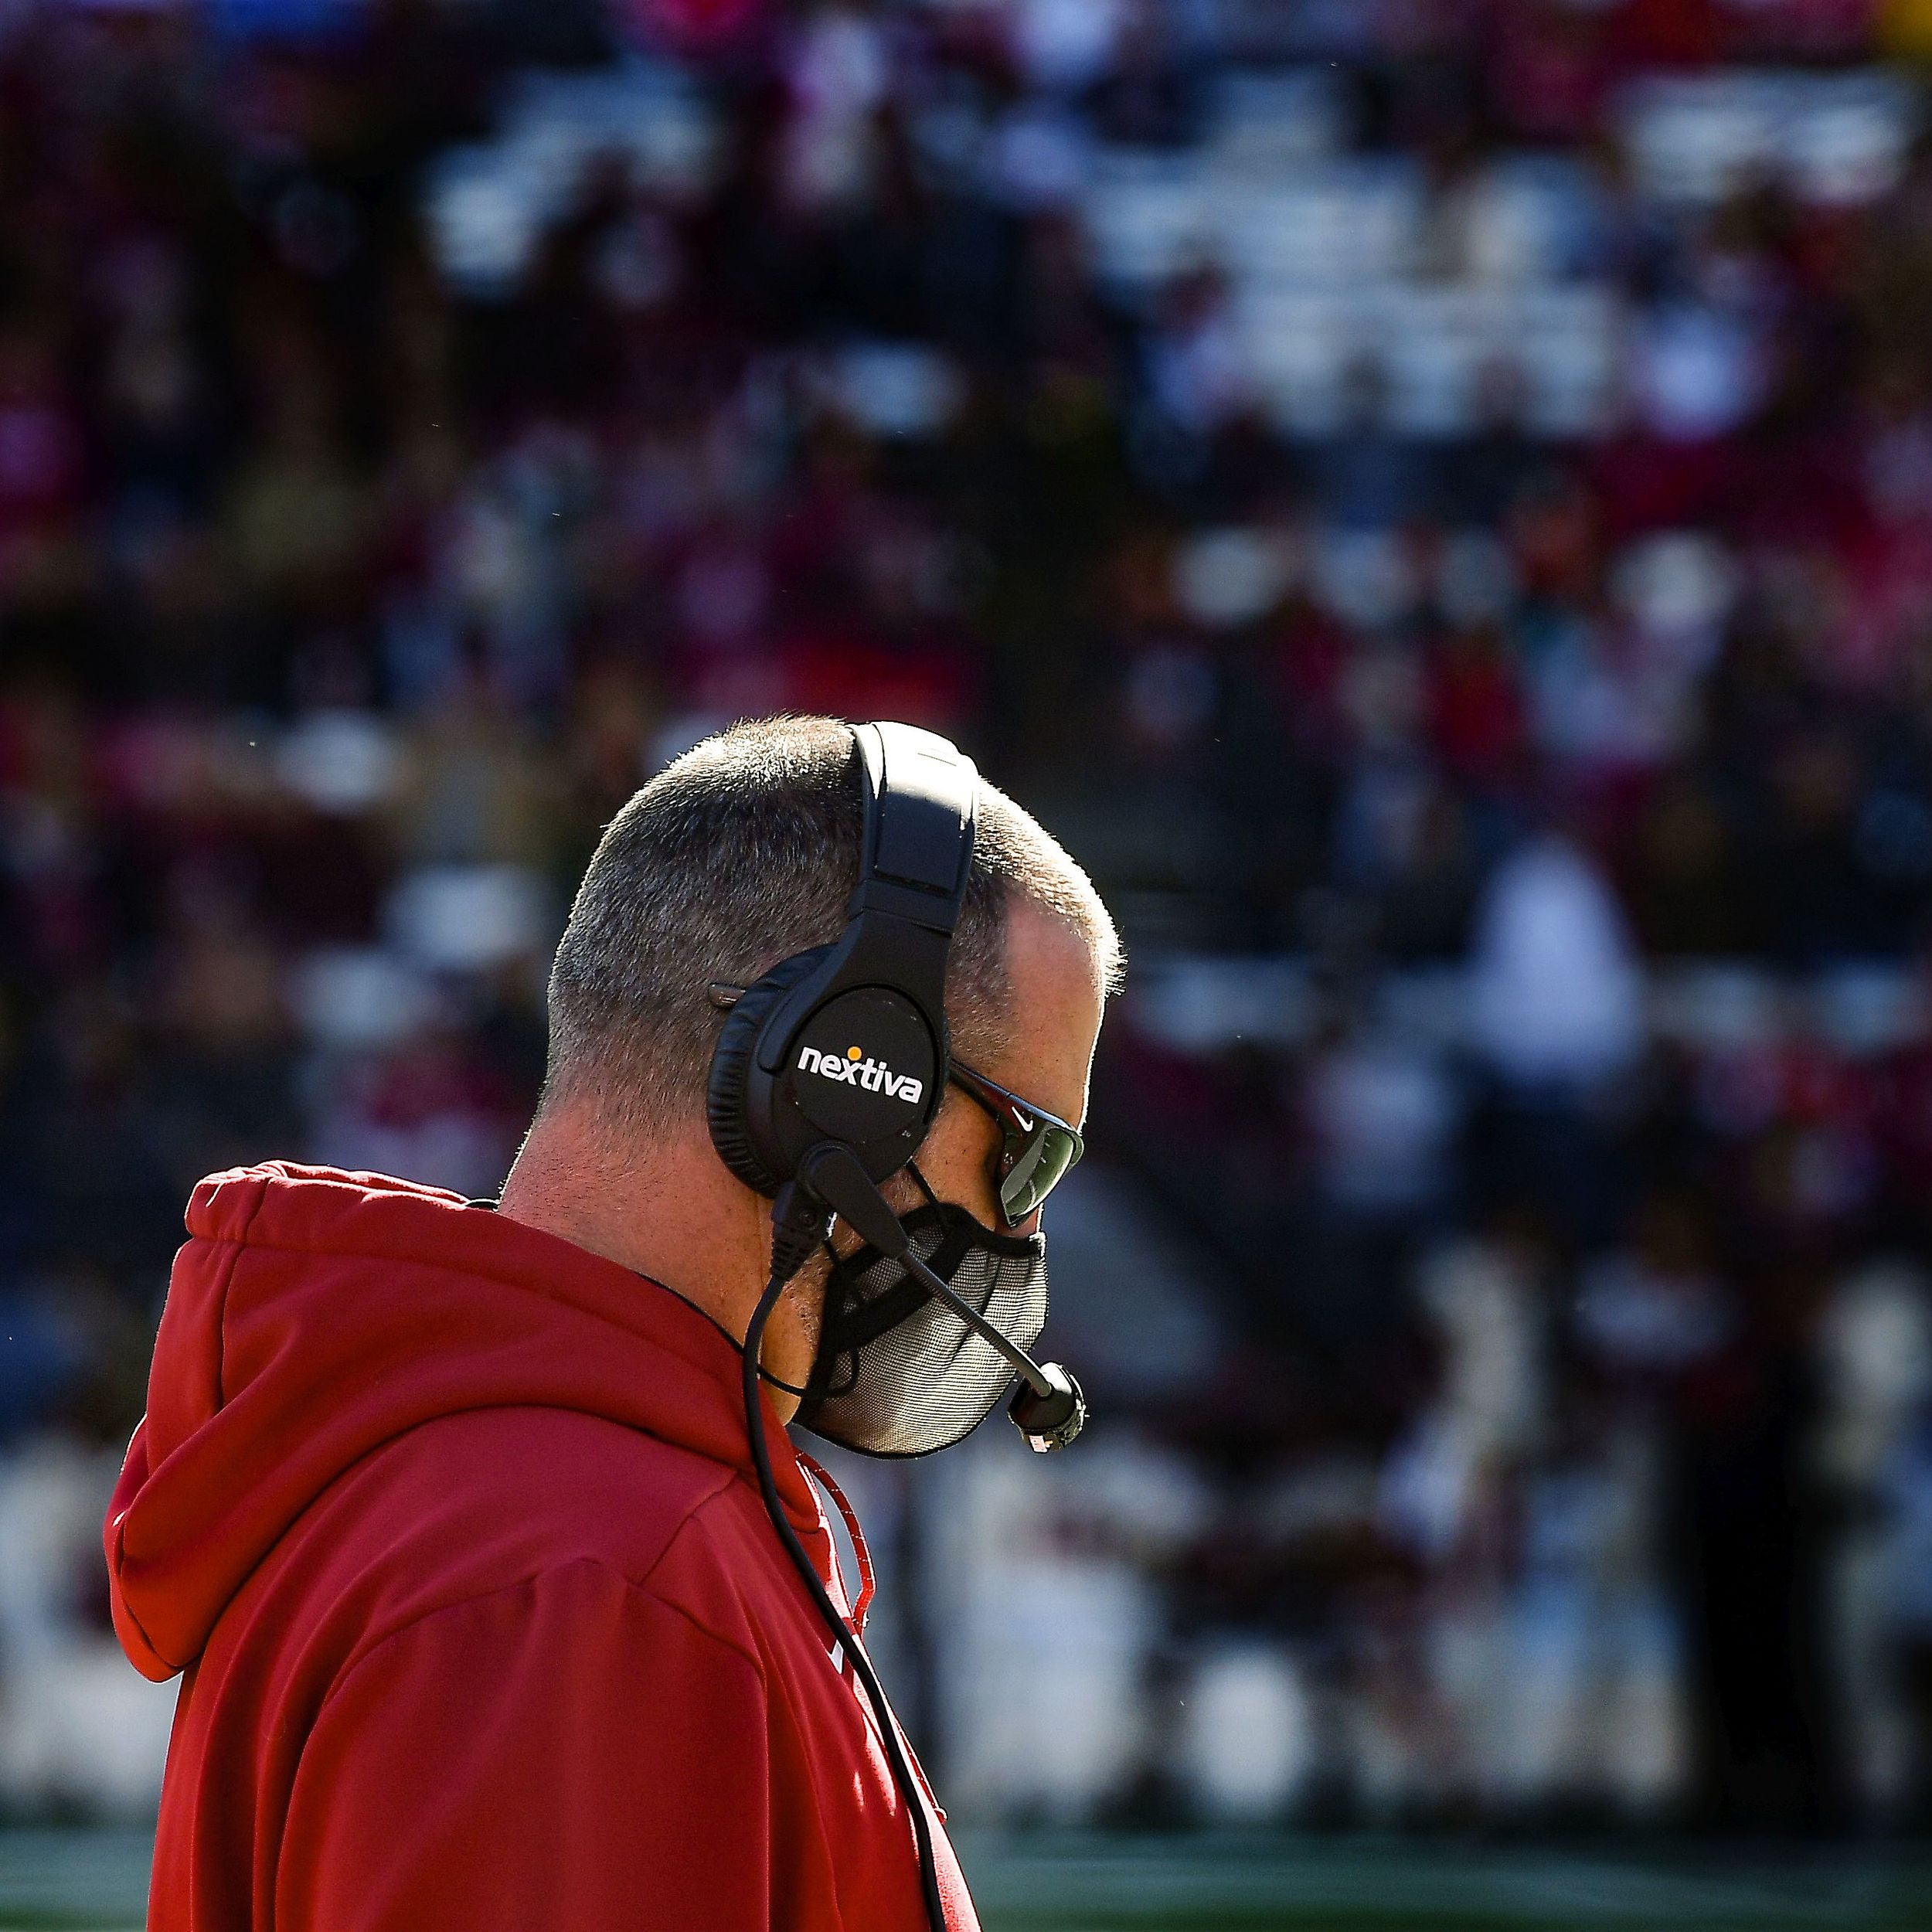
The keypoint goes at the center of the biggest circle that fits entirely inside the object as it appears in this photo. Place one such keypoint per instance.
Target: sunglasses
(1036, 1148)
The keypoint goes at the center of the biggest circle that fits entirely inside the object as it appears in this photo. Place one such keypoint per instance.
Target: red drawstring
(866, 1584)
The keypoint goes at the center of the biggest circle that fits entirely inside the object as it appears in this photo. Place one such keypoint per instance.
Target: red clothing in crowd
(451, 1528)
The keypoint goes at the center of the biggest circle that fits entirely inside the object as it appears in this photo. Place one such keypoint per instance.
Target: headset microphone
(1049, 1409)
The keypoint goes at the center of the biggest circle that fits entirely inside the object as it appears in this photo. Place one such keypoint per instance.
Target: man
(448, 1515)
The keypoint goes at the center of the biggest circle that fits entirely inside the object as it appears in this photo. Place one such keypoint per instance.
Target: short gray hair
(738, 854)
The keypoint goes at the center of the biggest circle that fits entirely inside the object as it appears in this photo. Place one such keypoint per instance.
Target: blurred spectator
(1556, 998)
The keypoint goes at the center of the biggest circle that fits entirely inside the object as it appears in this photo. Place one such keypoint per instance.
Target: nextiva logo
(856, 1070)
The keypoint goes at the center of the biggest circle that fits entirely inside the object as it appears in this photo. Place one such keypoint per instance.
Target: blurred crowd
(1434, 502)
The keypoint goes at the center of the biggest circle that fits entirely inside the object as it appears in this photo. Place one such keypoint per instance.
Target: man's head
(741, 853)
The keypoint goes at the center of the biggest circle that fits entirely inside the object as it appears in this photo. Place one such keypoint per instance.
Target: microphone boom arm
(1050, 1408)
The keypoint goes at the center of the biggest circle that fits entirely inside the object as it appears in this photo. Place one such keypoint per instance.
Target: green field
(1066, 1882)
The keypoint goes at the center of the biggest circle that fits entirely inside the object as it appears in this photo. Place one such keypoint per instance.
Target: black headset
(830, 1070)
(846, 1043)
(826, 1079)
(829, 1075)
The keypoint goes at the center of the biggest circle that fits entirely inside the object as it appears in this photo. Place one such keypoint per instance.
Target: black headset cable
(798, 1225)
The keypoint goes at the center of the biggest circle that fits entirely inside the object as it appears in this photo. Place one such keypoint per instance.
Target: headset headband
(920, 809)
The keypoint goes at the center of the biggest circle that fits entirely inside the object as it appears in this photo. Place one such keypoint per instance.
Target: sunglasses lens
(1043, 1157)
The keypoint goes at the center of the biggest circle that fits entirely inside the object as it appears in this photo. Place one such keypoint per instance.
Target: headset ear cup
(725, 1094)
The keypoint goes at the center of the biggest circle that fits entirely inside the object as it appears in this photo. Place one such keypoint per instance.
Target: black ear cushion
(731, 1068)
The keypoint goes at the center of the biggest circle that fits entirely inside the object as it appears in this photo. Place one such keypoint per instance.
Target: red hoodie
(452, 1529)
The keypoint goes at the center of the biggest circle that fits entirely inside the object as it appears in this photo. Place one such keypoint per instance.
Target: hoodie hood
(314, 1314)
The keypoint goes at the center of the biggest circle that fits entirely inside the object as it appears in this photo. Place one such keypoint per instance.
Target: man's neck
(667, 1209)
